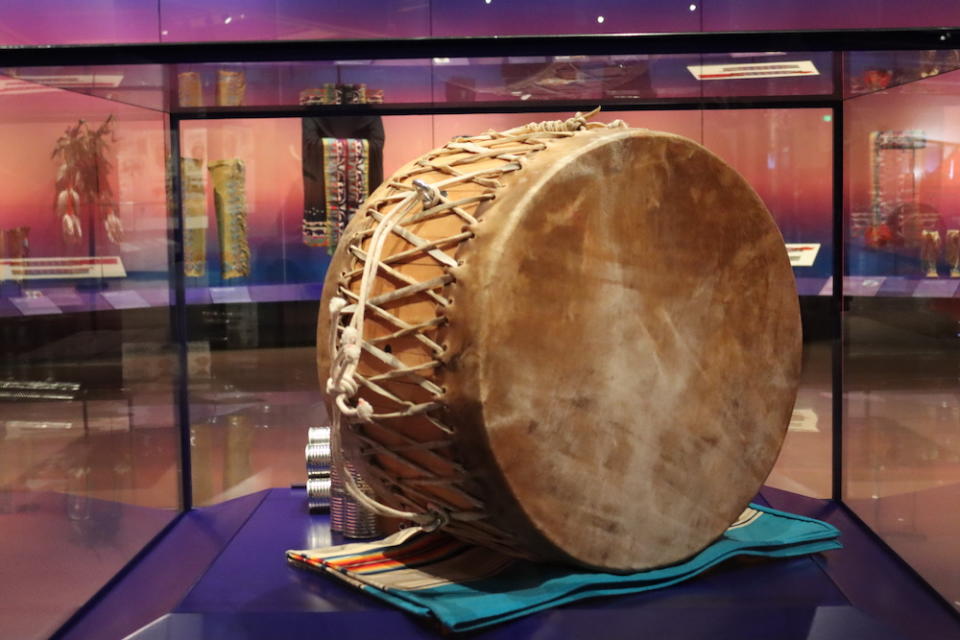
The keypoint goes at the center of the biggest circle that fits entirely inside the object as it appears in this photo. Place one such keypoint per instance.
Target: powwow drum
(569, 341)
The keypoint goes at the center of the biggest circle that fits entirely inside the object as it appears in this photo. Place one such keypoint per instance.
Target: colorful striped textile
(465, 587)
(346, 184)
(356, 171)
(346, 171)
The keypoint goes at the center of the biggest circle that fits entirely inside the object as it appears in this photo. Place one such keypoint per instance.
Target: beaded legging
(229, 195)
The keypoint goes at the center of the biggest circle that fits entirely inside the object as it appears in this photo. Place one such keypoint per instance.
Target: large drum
(571, 342)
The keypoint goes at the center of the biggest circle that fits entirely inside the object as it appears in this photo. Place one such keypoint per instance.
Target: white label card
(803, 255)
(227, 295)
(61, 268)
(740, 71)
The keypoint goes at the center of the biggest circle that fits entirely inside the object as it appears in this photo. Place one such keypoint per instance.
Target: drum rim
(493, 237)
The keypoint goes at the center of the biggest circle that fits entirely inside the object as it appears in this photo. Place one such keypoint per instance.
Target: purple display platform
(247, 591)
(871, 577)
(159, 581)
(66, 544)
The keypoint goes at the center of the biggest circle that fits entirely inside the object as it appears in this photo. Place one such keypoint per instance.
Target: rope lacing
(412, 202)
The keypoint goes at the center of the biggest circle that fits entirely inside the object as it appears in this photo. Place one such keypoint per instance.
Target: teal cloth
(523, 587)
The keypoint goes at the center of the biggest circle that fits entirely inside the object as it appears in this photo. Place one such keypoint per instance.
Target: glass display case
(168, 218)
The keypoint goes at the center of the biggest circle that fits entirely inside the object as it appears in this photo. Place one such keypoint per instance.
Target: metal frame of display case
(486, 46)
(836, 41)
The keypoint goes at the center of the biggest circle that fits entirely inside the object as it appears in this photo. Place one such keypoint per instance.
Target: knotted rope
(413, 202)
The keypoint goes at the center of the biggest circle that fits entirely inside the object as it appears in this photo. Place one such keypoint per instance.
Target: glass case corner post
(178, 307)
(838, 269)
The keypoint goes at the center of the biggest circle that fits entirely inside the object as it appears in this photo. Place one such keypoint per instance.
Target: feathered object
(82, 181)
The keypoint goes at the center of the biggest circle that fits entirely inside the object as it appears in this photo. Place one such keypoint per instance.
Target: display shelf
(442, 72)
(893, 287)
(445, 84)
(247, 590)
(69, 300)
(59, 300)
(869, 72)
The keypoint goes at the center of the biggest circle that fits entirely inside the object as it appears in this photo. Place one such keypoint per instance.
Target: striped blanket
(466, 587)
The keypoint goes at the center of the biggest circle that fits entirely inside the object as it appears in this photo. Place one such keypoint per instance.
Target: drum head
(624, 347)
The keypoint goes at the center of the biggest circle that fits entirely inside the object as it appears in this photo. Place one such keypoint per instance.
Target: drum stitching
(347, 342)
(389, 317)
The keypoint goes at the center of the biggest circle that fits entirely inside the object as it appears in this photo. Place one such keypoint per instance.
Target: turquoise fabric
(526, 587)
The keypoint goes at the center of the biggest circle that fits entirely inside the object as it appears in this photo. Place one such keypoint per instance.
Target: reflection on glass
(902, 330)
(903, 184)
(760, 15)
(441, 81)
(501, 17)
(769, 73)
(303, 178)
(186, 21)
(902, 412)
(782, 153)
(291, 84)
(542, 78)
(88, 456)
(870, 71)
(255, 398)
(93, 22)
(140, 85)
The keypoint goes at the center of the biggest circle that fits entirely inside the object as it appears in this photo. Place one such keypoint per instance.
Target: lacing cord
(347, 342)
(342, 384)
(571, 125)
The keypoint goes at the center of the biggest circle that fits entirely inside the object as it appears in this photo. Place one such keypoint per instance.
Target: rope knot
(570, 125)
(439, 518)
(341, 386)
(351, 352)
(579, 120)
(349, 336)
(575, 123)
(429, 194)
(336, 305)
(364, 411)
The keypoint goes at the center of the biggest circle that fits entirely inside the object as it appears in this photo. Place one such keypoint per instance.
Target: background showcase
(92, 289)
